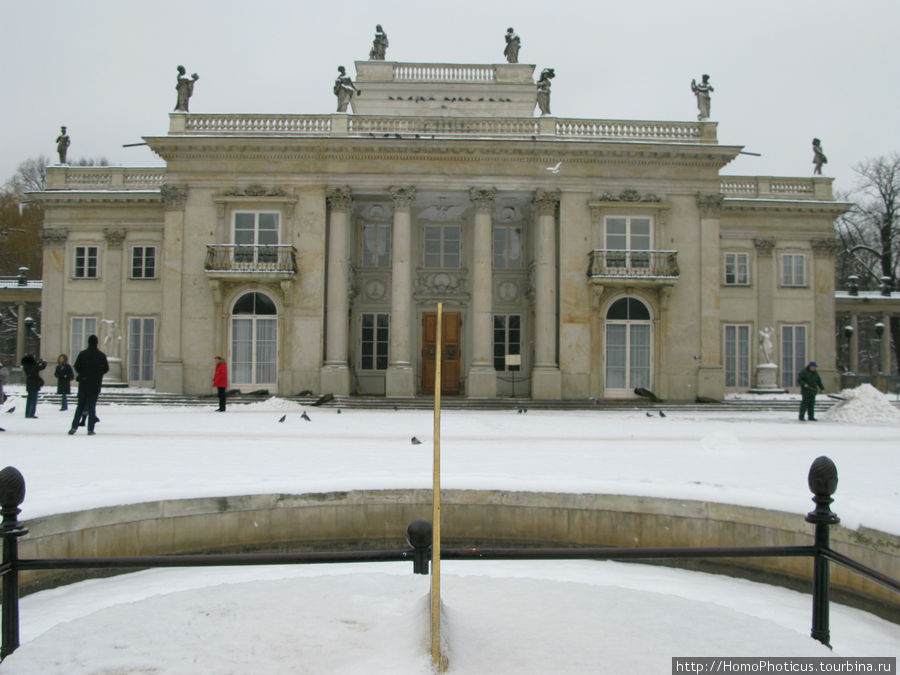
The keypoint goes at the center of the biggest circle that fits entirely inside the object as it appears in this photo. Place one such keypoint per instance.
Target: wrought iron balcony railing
(632, 264)
(247, 258)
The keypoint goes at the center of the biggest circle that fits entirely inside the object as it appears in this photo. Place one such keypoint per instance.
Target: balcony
(231, 261)
(628, 267)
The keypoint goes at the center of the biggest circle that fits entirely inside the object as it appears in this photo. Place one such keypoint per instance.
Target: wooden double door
(450, 352)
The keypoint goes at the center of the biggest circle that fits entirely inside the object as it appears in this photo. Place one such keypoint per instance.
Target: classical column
(546, 380)
(710, 380)
(54, 330)
(170, 370)
(115, 238)
(400, 380)
(482, 379)
(336, 372)
(822, 284)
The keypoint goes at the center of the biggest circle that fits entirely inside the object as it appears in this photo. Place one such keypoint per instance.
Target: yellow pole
(436, 657)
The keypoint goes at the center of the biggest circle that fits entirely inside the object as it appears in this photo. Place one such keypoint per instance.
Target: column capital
(115, 237)
(403, 196)
(764, 246)
(51, 236)
(546, 201)
(338, 198)
(710, 205)
(483, 199)
(174, 196)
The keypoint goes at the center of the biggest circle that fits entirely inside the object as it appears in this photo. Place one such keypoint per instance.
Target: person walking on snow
(220, 381)
(33, 382)
(64, 376)
(810, 384)
(91, 365)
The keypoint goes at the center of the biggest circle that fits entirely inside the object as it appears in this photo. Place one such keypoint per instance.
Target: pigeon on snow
(305, 416)
(12, 410)
(662, 414)
(415, 441)
(283, 418)
(649, 414)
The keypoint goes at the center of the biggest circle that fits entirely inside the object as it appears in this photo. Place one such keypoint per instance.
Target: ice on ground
(864, 405)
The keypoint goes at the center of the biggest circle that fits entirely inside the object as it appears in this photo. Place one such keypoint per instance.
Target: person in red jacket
(220, 381)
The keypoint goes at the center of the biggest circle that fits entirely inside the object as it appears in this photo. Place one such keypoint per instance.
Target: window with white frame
(737, 355)
(628, 240)
(141, 342)
(82, 328)
(376, 245)
(256, 234)
(375, 340)
(793, 269)
(507, 340)
(143, 262)
(442, 245)
(86, 262)
(507, 247)
(793, 354)
(737, 269)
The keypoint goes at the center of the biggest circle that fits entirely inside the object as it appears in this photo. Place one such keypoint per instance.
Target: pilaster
(399, 378)
(482, 379)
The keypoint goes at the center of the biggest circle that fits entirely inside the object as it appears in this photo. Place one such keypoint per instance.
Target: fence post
(823, 480)
(12, 493)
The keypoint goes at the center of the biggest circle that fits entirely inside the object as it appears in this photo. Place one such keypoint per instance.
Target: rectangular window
(442, 245)
(375, 340)
(86, 262)
(793, 354)
(143, 262)
(82, 328)
(793, 269)
(507, 340)
(141, 341)
(507, 247)
(737, 356)
(737, 269)
(256, 234)
(628, 240)
(376, 242)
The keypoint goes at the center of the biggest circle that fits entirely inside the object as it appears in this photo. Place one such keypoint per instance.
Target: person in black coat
(64, 376)
(90, 365)
(32, 368)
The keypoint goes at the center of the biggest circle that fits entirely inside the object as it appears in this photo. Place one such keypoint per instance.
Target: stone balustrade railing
(442, 72)
(633, 264)
(251, 258)
(104, 178)
(769, 187)
(343, 125)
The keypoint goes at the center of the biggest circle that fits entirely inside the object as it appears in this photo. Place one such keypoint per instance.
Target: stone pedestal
(335, 379)
(546, 383)
(113, 379)
(767, 380)
(481, 383)
(400, 381)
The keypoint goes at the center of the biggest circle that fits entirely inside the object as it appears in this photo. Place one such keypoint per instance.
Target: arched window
(628, 346)
(254, 341)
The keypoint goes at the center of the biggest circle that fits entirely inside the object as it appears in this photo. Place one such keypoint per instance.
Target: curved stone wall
(378, 519)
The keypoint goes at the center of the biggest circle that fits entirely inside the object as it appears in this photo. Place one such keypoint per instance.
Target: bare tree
(30, 176)
(870, 231)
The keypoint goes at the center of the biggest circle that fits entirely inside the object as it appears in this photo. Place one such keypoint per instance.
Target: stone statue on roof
(379, 45)
(543, 90)
(819, 157)
(702, 92)
(62, 144)
(344, 89)
(185, 88)
(511, 52)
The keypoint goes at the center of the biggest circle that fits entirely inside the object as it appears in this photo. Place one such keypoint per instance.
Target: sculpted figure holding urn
(702, 92)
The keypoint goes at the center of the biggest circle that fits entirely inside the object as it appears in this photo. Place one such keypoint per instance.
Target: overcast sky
(783, 71)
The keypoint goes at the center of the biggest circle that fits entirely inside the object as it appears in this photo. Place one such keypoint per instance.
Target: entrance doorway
(450, 352)
(628, 347)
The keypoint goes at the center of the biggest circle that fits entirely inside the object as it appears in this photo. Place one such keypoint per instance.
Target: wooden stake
(436, 655)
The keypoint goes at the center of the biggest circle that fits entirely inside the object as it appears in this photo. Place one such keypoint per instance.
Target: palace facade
(574, 258)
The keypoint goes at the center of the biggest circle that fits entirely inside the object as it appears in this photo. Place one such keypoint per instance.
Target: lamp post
(879, 332)
(848, 333)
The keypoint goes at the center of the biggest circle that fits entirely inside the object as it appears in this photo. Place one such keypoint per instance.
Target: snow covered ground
(500, 617)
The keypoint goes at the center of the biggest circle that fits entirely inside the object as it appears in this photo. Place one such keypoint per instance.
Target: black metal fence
(822, 482)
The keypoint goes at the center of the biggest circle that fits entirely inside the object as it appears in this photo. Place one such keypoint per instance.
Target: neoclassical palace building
(574, 258)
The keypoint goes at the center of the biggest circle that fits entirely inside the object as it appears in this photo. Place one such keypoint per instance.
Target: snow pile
(864, 405)
(275, 404)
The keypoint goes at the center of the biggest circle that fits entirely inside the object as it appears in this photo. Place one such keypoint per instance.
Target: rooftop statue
(819, 157)
(62, 145)
(511, 52)
(379, 45)
(185, 88)
(702, 92)
(543, 90)
(344, 89)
